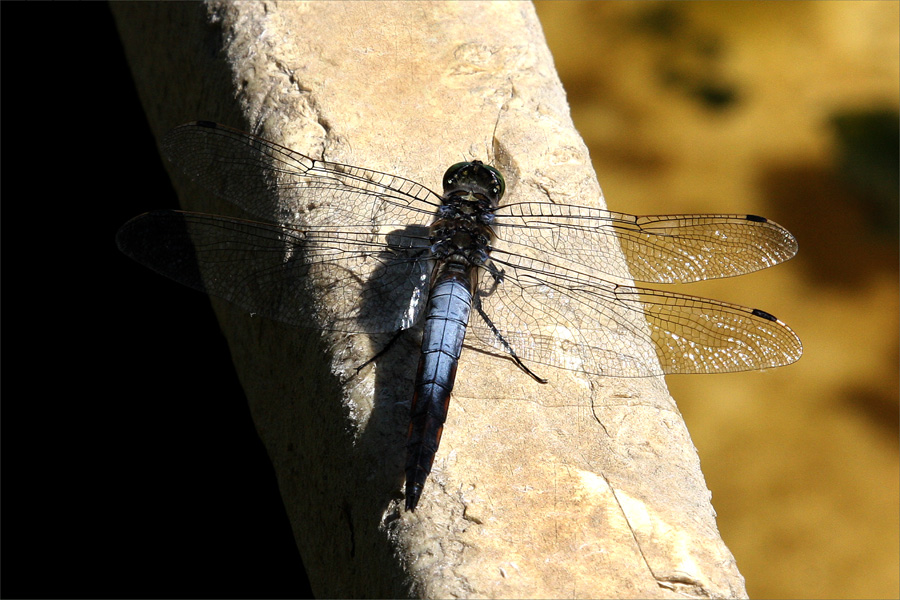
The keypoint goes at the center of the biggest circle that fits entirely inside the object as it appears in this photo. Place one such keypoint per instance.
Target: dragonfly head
(475, 177)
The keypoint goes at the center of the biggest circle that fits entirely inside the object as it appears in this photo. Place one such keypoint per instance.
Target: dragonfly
(386, 254)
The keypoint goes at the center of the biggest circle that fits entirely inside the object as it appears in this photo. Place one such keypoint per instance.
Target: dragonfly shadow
(396, 291)
(391, 310)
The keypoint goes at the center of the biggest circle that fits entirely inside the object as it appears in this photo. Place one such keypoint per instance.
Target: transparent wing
(280, 185)
(358, 234)
(555, 316)
(373, 283)
(658, 249)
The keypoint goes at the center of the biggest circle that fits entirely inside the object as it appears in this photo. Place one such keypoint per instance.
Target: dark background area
(115, 484)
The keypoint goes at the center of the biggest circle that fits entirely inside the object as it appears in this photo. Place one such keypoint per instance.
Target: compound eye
(500, 187)
(452, 172)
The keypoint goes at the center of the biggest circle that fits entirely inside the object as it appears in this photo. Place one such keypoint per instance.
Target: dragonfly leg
(383, 351)
(512, 353)
(495, 272)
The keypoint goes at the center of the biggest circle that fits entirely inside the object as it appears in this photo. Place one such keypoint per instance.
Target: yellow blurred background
(788, 110)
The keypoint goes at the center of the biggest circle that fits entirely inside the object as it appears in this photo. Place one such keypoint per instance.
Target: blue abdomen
(445, 329)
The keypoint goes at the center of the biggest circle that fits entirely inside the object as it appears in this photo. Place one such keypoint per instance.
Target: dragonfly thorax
(461, 240)
(462, 232)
